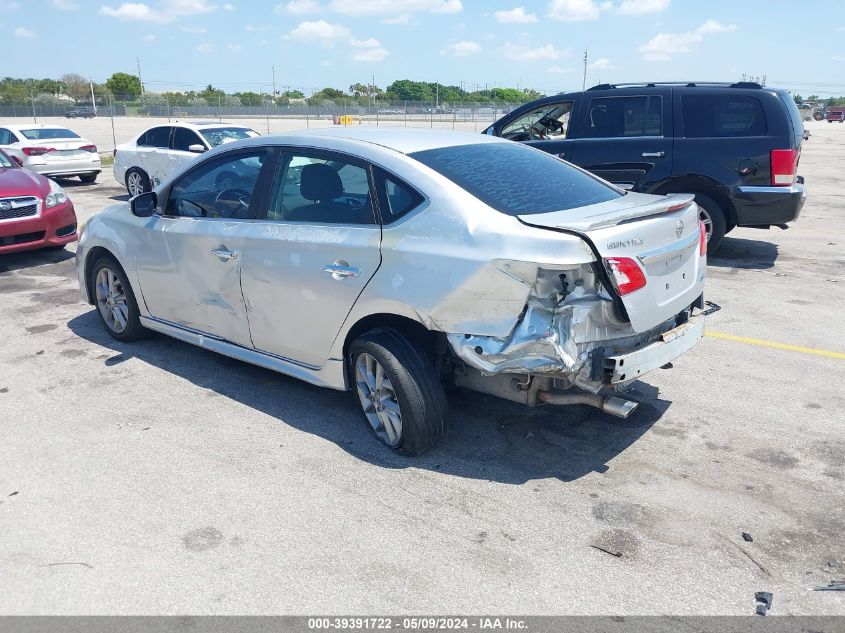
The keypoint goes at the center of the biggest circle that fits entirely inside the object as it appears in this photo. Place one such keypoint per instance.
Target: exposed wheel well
(700, 184)
(93, 255)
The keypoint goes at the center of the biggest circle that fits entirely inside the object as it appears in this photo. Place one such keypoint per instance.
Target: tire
(137, 182)
(714, 219)
(108, 304)
(410, 387)
(88, 179)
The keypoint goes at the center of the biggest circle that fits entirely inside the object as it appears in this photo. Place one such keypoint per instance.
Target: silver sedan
(392, 262)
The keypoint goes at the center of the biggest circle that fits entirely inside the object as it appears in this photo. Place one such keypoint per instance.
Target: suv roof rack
(688, 84)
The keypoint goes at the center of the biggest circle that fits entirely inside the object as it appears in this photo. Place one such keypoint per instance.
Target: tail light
(702, 239)
(784, 167)
(36, 151)
(626, 274)
(89, 148)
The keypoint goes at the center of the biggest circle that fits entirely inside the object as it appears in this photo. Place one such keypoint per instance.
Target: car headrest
(320, 182)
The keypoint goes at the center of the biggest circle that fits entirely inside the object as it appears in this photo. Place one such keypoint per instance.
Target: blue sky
(183, 44)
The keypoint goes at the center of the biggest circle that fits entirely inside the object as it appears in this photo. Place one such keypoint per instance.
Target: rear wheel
(399, 391)
(137, 182)
(715, 222)
(88, 178)
(115, 300)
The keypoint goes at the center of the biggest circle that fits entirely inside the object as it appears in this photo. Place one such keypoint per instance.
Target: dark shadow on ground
(737, 252)
(489, 438)
(28, 259)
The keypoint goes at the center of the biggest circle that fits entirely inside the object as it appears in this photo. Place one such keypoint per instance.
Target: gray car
(393, 262)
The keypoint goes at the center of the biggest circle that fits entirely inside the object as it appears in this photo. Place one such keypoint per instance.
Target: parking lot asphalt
(158, 478)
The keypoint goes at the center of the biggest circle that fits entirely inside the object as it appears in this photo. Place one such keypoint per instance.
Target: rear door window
(623, 117)
(714, 116)
(156, 137)
(6, 137)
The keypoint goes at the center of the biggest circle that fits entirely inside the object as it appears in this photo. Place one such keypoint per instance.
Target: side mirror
(144, 205)
(196, 148)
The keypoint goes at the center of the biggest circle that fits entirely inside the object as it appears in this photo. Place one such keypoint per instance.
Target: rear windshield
(707, 116)
(220, 135)
(42, 134)
(516, 179)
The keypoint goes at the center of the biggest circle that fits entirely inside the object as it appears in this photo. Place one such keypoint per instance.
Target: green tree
(76, 87)
(251, 98)
(211, 94)
(124, 86)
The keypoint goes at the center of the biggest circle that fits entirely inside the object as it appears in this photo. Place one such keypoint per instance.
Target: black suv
(81, 113)
(735, 146)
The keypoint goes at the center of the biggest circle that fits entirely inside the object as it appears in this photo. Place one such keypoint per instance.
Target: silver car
(392, 262)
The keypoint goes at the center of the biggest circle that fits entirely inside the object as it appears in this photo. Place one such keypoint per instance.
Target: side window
(155, 137)
(396, 198)
(218, 188)
(5, 137)
(183, 138)
(707, 116)
(320, 190)
(622, 117)
(544, 123)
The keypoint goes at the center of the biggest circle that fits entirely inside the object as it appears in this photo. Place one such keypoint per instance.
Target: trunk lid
(659, 233)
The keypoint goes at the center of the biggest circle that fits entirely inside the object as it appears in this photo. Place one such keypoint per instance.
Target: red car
(835, 114)
(34, 211)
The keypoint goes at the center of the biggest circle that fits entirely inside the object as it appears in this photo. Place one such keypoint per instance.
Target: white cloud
(9, 6)
(170, 10)
(228, 7)
(319, 30)
(559, 70)
(368, 43)
(65, 5)
(526, 54)
(662, 46)
(24, 32)
(376, 7)
(205, 48)
(463, 48)
(639, 7)
(299, 7)
(575, 10)
(193, 29)
(405, 18)
(371, 55)
(602, 63)
(149, 38)
(235, 48)
(515, 16)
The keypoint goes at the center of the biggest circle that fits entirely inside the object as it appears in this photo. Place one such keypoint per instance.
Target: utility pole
(584, 82)
(138, 62)
(374, 90)
(437, 95)
(32, 97)
(274, 81)
(93, 100)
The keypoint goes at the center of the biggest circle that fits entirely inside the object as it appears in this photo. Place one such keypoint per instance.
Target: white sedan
(51, 150)
(392, 262)
(161, 151)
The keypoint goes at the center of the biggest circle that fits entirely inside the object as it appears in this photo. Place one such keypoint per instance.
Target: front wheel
(115, 301)
(398, 390)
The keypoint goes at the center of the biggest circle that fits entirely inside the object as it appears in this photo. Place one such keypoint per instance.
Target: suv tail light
(626, 275)
(702, 239)
(784, 167)
(89, 148)
(36, 151)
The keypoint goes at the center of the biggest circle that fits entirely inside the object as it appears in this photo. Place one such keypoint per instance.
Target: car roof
(206, 124)
(400, 139)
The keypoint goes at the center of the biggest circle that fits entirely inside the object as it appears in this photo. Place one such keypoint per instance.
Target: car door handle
(224, 253)
(341, 272)
(654, 154)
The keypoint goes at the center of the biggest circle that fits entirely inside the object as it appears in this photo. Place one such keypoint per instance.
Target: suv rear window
(516, 179)
(707, 116)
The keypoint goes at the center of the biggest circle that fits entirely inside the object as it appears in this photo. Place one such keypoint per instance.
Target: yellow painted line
(775, 345)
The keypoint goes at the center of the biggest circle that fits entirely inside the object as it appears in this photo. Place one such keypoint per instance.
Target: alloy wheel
(135, 184)
(378, 399)
(111, 300)
(704, 216)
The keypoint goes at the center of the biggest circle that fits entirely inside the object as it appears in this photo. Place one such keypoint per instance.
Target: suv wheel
(115, 301)
(714, 220)
(137, 182)
(398, 390)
